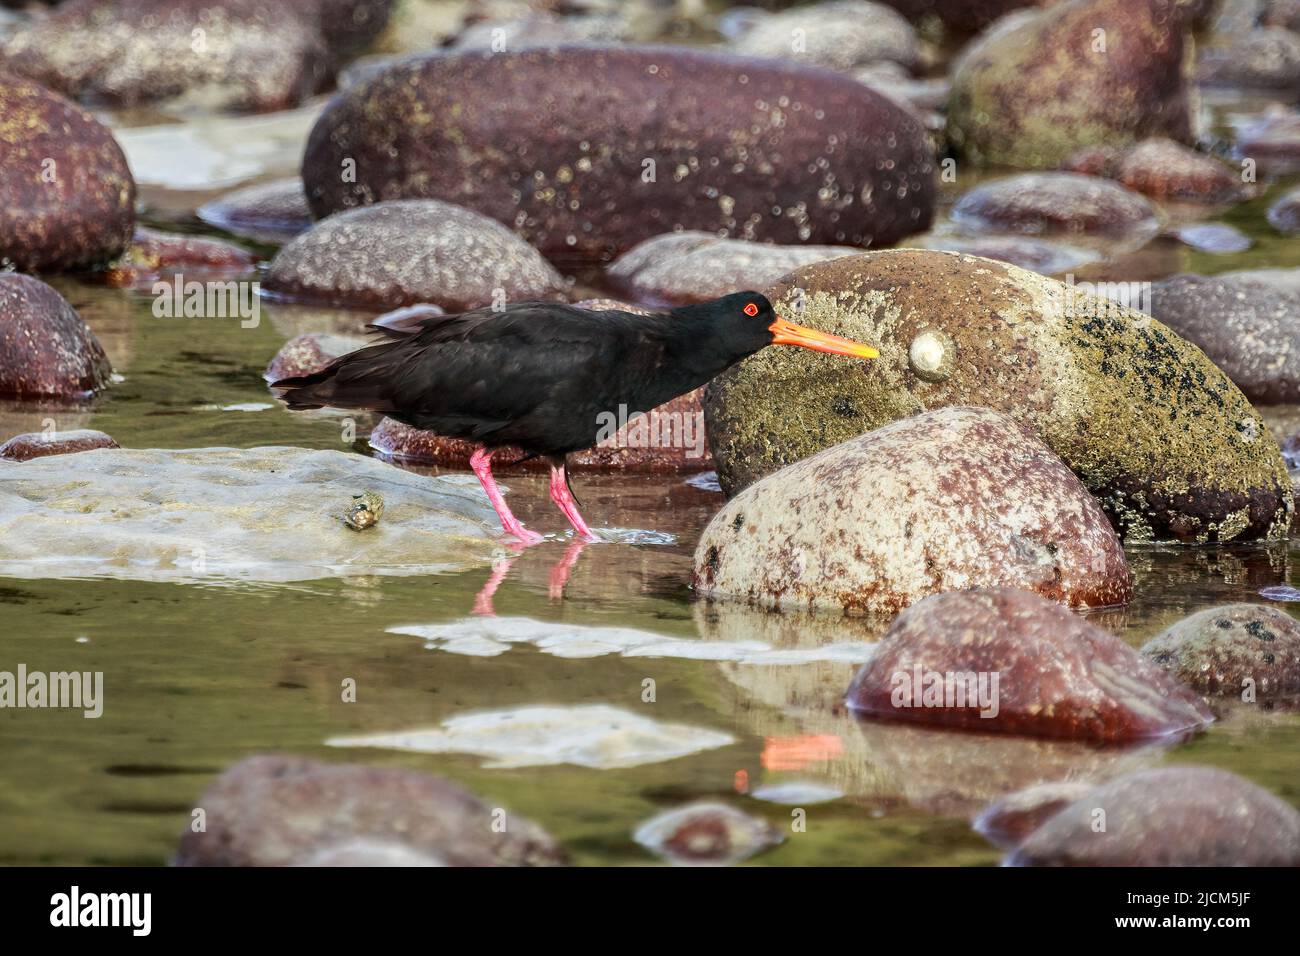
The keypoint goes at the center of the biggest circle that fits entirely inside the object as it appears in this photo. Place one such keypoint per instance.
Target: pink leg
(483, 600)
(481, 463)
(564, 500)
(563, 568)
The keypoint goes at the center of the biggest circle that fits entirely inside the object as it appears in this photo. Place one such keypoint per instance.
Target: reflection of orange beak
(787, 333)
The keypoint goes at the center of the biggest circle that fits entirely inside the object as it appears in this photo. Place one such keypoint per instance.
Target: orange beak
(787, 333)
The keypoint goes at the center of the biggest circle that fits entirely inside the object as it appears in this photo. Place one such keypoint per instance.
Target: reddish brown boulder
(155, 255)
(1010, 661)
(273, 810)
(46, 350)
(958, 497)
(1169, 816)
(670, 138)
(31, 445)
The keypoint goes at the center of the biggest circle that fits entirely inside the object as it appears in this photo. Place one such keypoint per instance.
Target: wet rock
(589, 735)
(1009, 661)
(1229, 650)
(567, 171)
(1058, 203)
(39, 444)
(310, 352)
(1011, 818)
(269, 212)
(1038, 255)
(1291, 451)
(706, 834)
(1030, 94)
(272, 810)
(348, 26)
(1248, 329)
(155, 255)
(1195, 462)
(1214, 237)
(928, 97)
(1284, 215)
(1272, 139)
(237, 54)
(1096, 160)
(683, 267)
(46, 350)
(1263, 59)
(217, 515)
(915, 507)
(67, 200)
(1169, 816)
(407, 252)
(839, 35)
(1167, 170)
(541, 28)
(959, 16)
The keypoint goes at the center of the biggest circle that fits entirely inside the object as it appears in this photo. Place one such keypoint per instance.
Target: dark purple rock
(31, 445)
(729, 141)
(1057, 675)
(273, 810)
(1219, 649)
(67, 199)
(46, 350)
(1170, 816)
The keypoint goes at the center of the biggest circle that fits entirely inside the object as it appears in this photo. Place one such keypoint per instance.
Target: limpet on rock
(366, 510)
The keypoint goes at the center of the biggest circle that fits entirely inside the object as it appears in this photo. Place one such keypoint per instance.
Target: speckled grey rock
(408, 252)
(270, 212)
(670, 138)
(273, 810)
(838, 34)
(1058, 203)
(217, 515)
(916, 507)
(1247, 328)
(1218, 650)
(1284, 214)
(224, 54)
(1264, 59)
(46, 350)
(1196, 461)
(682, 267)
(1169, 816)
(39, 444)
(1057, 674)
(67, 199)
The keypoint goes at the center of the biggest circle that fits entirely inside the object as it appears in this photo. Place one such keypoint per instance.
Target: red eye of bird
(751, 309)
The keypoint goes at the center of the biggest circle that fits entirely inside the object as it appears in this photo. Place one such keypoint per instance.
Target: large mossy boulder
(1159, 434)
(1030, 93)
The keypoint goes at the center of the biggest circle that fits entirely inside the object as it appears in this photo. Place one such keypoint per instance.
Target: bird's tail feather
(360, 379)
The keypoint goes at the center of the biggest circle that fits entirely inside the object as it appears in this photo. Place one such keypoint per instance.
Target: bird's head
(748, 321)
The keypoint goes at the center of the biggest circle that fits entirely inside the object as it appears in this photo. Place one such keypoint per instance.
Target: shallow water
(197, 677)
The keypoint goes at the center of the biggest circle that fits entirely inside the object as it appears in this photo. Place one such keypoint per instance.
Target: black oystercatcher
(542, 376)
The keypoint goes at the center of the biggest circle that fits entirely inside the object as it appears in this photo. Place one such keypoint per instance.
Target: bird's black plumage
(537, 375)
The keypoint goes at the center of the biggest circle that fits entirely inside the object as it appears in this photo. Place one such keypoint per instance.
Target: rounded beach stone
(1229, 650)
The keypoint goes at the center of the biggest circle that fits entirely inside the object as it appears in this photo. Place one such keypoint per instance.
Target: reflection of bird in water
(558, 579)
(544, 376)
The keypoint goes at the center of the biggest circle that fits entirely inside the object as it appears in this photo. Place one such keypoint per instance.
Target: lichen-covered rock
(1011, 818)
(1284, 215)
(273, 810)
(1169, 816)
(216, 515)
(31, 445)
(46, 350)
(1164, 169)
(1048, 256)
(1009, 661)
(155, 255)
(837, 34)
(1195, 460)
(408, 252)
(670, 138)
(1030, 95)
(916, 507)
(1232, 650)
(232, 54)
(1248, 329)
(1058, 203)
(67, 199)
(683, 267)
(706, 834)
(1263, 59)
(269, 212)
(310, 352)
